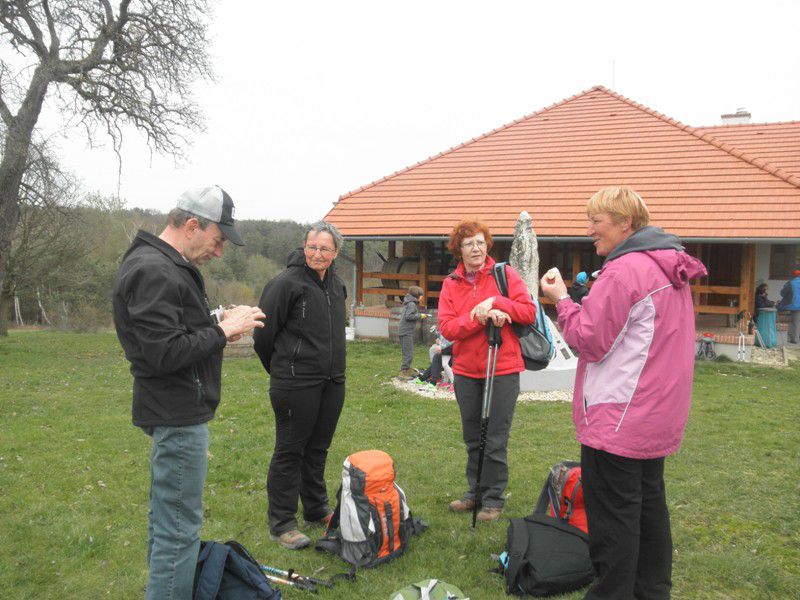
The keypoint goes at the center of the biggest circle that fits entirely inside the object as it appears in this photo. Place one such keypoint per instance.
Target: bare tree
(48, 237)
(106, 65)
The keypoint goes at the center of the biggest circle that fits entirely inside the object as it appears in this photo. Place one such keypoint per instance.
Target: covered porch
(718, 299)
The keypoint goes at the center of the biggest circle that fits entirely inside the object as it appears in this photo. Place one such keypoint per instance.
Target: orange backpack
(562, 495)
(372, 522)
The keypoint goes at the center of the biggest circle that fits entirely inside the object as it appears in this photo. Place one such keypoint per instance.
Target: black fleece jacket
(303, 342)
(175, 349)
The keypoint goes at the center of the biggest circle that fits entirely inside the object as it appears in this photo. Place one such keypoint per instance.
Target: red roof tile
(776, 143)
(549, 163)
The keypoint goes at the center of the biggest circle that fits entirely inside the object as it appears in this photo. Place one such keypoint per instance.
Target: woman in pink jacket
(635, 338)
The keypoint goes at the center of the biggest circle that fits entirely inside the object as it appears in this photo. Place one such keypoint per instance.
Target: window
(783, 259)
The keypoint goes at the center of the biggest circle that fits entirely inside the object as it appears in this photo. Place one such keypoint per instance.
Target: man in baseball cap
(174, 341)
(212, 203)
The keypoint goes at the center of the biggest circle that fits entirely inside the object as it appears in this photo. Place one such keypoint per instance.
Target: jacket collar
(145, 238)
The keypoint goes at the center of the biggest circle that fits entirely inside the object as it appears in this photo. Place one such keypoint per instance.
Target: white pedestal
(559, 374)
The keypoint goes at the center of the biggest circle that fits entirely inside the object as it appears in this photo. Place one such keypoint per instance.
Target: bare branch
(51, 28)
(9, 16)
(34, 28)
(5, 113)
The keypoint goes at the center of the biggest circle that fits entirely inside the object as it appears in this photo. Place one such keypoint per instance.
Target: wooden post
(392, 249)
(747, 280)
(694, 250)
(423, 271)
(576, 261)
(359, 273)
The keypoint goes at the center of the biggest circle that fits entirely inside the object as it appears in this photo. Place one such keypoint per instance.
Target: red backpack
(372, 522)
(562, 495)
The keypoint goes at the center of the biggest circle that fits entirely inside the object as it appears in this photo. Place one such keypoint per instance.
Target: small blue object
(582, 277)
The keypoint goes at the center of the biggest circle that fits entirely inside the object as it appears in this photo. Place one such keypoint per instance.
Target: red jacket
(470, 345)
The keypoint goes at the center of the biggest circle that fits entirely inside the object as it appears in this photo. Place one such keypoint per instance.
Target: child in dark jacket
(405, 330)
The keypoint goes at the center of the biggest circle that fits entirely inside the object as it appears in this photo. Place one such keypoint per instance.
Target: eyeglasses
(322, 250)
(474, 244)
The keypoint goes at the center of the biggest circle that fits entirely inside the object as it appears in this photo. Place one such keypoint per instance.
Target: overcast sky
(315, 99)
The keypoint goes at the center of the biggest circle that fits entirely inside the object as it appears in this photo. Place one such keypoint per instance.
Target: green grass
(74, 475)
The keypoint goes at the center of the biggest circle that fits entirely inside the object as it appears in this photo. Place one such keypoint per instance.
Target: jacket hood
(410, 298)
(666, 251)
(646, 238)
(296, 258)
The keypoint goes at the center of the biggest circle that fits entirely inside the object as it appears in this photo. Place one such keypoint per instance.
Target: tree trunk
(5, 306)
(15, 155)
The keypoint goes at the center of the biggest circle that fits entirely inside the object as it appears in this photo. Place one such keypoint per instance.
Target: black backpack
(535, 340)
(545, 555)
(228, 572)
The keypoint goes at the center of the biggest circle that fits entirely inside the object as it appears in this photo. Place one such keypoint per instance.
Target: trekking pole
(292, 575)
(488, 386)
(307, 587)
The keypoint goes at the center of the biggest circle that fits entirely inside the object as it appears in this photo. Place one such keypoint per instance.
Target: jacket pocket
(295, 355)
(198, 383)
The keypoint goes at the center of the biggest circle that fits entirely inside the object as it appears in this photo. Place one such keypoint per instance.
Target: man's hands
(239, 320)
(553, 286)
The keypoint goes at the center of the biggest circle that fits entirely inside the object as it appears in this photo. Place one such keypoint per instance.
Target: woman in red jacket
(469, 300)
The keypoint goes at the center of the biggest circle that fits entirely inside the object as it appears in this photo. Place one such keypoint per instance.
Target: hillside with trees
(64, 258)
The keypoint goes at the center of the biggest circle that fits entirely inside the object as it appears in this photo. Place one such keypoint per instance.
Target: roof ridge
(797, 121)
(709, 139)
(464, 144)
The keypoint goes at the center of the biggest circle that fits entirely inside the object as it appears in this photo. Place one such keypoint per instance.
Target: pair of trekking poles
(300, 582)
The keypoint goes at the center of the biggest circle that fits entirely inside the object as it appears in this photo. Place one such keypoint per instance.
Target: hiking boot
(293, 539)
(463, 505)
(405, 375)
(489, 514)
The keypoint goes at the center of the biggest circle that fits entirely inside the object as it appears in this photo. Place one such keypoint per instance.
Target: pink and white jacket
(635, 334)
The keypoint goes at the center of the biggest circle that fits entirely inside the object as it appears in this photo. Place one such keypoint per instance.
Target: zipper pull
(328, 297)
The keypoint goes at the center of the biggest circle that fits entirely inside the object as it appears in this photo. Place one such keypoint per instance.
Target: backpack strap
(501, 278)
(571, 501)
(518, 535)
(213, 556)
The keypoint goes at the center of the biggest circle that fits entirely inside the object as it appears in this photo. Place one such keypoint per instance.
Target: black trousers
(434, 371)
(469, 395)
(305, 421)
(629, 533)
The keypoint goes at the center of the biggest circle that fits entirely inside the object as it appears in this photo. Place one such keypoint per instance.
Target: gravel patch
(770, 357)
(430, 391)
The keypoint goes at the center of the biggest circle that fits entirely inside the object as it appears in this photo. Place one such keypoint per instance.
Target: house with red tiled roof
(732, 193)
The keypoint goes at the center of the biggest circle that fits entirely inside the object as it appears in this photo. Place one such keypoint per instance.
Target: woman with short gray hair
(302, 347)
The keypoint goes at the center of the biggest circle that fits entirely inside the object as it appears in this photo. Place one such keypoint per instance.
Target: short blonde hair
(620, 202)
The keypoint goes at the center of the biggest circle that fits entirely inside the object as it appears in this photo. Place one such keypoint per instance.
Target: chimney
(740, 117)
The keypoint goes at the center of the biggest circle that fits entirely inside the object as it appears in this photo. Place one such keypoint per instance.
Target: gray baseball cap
(212, 203)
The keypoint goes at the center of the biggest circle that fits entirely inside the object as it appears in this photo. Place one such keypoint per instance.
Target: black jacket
(175, 349)
(303, 342)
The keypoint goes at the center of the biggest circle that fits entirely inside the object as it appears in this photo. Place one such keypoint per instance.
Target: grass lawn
(74, 475)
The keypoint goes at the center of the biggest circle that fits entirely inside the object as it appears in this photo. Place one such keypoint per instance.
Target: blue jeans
(178, 464)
